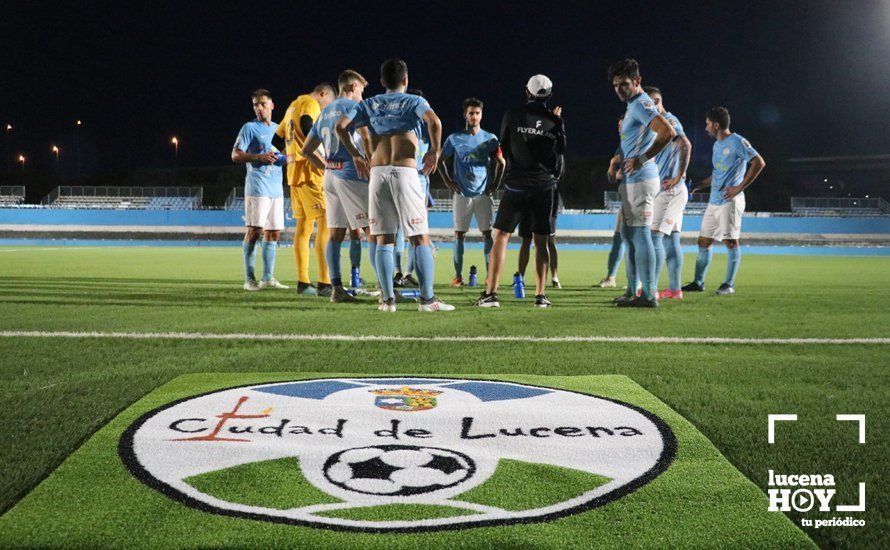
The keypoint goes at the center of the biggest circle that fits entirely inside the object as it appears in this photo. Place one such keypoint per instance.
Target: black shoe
(693, 287)
(325, 290)
(639, 301)
(410, 282)
(542, 301)
(623, 298)
(397, 281)
(487, 300)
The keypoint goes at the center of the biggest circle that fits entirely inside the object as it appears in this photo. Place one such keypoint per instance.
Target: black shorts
(525, 230)
(535, 208)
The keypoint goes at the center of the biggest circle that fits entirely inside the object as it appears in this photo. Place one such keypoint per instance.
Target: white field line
(463, 339)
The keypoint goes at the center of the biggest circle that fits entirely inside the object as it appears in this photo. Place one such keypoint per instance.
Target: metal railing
(147, 198)
(840, 206)
(235, 200)
(11, 195)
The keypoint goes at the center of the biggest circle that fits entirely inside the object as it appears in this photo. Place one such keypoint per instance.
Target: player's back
(394, 119)
(337, 156)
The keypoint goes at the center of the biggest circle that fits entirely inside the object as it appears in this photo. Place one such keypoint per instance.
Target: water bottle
(474, 280)
(518, 286)
(355, 278)
(410, 293)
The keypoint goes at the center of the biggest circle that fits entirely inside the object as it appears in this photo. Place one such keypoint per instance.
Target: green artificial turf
(57, 392)
(92, 500)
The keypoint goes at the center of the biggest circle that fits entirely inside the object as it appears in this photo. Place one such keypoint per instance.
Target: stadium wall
(228, 224)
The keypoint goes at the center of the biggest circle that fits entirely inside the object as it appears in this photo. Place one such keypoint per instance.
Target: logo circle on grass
(397, 454)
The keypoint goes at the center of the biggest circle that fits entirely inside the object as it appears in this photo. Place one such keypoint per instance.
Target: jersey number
(331, 142)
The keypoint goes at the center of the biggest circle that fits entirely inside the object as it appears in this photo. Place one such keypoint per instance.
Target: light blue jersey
(263, 180)
(668, 160)
(637, 138)
(472, 156)
(339, 161)
(390, 113)
(730, 159)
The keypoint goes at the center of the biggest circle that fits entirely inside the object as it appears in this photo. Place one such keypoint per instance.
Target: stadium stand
(12, 195)
(840, 206)
(124, 198)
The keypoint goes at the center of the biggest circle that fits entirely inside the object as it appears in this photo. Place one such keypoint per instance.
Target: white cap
(539, 86)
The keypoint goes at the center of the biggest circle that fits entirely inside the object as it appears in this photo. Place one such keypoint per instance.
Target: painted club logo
(405, 399)
(341, 453)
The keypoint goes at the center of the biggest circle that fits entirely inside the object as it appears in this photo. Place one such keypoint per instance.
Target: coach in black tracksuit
(533, 142)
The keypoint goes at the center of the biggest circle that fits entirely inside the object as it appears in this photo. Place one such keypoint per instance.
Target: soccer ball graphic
(398, 470)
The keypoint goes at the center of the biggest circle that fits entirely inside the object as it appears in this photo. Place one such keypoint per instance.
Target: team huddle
(357, 165)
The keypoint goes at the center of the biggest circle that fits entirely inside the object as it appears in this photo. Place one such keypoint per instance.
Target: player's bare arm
(754, 169)
(684, 148)
(342, 129)
(310, 151)
(445, 172)
(614, 171)
(241, 157)
(703, 184)
(366, 141)
(498, 165)
(664, 133)
(434, 127)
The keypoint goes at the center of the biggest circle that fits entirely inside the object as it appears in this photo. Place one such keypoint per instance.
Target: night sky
(800, 78)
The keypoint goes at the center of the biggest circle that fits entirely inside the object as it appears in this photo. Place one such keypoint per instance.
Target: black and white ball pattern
(398, 470)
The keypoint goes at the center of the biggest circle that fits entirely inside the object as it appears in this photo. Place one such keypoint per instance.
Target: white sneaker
(555, 283)
(607, 282)
(273, 283)
(387, 306)
(433, 304)
(251, 286)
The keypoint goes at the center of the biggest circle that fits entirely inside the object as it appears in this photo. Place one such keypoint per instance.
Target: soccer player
(477, 169)
(533, 141)
(263, 196)
(407, 279)
(345, 191)
(306, 192)
(736, 164)
(613, 174)
(667, 210)
(395, 193)
(644, 133)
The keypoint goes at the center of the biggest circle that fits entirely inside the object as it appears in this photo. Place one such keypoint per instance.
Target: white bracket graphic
(773, 418)
(860, 418)
(854, 507)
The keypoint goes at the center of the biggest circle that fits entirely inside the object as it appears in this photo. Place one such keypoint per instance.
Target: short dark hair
(720, 115)
(472, 102)
(392, 72)
(621, 116)
(415, 91)
(651, 90)
(260, 93)
(324, 87)
(625, 68)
